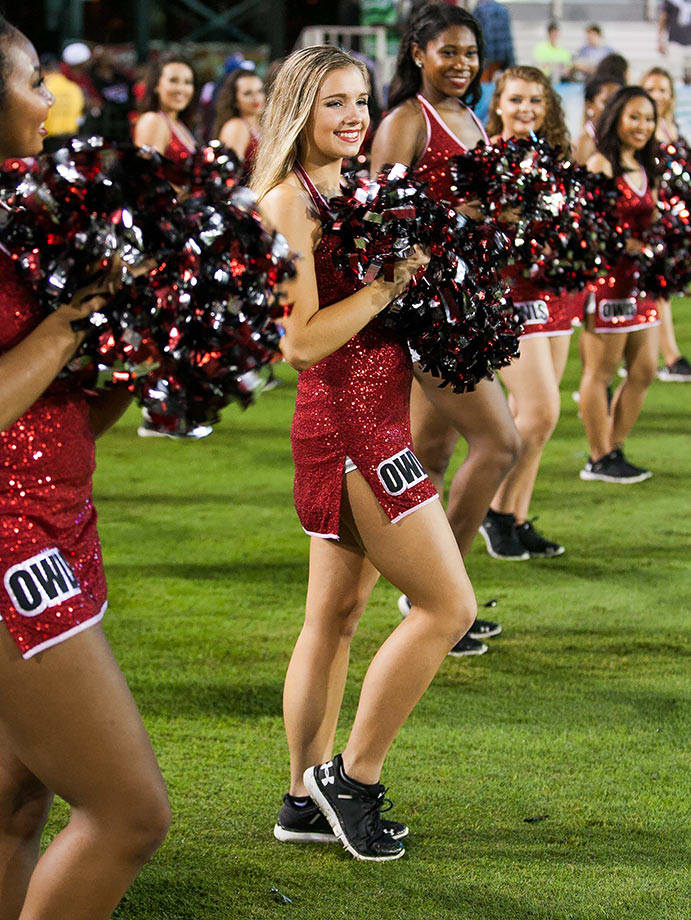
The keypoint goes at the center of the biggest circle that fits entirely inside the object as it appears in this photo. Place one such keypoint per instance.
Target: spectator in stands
(64, 118)
(614, 66)
(675, 34)
(590, 55)
(552, 58)
(598, 90)
(495, 23)
(117, 100)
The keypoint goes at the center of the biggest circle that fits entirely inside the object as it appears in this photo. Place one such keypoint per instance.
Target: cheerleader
(68, 723)
(598, 90)
(619, 324)
(524, 104)
(659, 84)
(238, 111)
(168, 109)
(360, 492)
(430, 118)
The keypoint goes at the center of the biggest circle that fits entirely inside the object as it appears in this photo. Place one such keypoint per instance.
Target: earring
(418, 63)
(498, 111)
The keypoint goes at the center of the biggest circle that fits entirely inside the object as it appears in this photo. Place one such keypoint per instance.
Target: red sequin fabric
(354, 403)
(52, 583)
(616, 307)
(178, 149)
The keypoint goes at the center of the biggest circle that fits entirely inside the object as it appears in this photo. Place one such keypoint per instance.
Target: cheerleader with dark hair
(239, 106)
(68, 723)
(168, 108)
(621, 325)
(430, 119)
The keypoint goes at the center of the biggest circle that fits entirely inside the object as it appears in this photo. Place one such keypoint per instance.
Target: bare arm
(236, 136)
(28, 369)
(598, 163)
(310, 333)
(107, 408)
(585, 148)
(152, 131)
(400, 138)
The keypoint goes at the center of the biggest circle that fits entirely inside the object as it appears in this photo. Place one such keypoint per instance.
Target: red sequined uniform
(616, 308)
(353, 404)
(541, 313)
(52, 583)
(250, 153)
(178, 149)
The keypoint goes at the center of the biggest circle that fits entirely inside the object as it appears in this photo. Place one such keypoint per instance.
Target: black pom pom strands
(189, 334)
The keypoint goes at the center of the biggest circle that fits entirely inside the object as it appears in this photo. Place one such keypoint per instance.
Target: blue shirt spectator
(495, 23)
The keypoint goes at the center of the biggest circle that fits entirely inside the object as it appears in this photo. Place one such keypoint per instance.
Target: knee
(542, 422)
(464, 617)
(141, 825)
(348, 616)
(498, 449)
(454, 614)
(25, 818)
(642, 374)
(435, 457)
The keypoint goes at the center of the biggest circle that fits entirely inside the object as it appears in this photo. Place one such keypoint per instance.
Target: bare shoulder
(152, 130)
(400, 137)
(290, 210)
(600, 164)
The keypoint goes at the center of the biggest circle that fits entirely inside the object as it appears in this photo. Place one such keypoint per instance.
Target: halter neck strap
(312, 190)
(429, 110)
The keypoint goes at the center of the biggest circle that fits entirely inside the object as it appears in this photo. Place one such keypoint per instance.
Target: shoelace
(373, 814)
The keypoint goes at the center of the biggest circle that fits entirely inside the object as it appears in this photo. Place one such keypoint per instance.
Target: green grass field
(577, 712)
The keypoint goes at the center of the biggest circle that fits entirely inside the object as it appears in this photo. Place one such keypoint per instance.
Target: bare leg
(602, 354)
(532, 380)
(340, 582)
(484, 421)
(420, 557)
(71, 721)
(641, 363)
(24, 804)
(668, 342)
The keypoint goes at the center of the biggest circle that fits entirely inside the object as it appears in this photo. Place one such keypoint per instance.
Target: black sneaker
(481, 629)
(353, 810)
(467, 646)
(613, 467)
(537, 545)
(501, 539)
(306, 824)
(678, 371)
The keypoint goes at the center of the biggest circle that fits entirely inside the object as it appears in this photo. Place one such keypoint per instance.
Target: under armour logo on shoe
(328, 774)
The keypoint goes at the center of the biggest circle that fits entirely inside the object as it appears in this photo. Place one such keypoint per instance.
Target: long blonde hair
(291, 100)
(553, 128)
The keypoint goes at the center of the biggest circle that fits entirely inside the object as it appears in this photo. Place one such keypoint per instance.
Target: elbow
(296, 357)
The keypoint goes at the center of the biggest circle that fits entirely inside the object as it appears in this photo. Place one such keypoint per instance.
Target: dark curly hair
(150, 101)
(424, 25)
(554, 128)
(227, 99)
(607, 131)
(7, 33)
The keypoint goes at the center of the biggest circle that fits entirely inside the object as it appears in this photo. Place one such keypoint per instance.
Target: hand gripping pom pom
(455, 313)
(186, 335)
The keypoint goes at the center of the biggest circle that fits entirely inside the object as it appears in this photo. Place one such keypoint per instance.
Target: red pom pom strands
(201, 321)
(455, 313)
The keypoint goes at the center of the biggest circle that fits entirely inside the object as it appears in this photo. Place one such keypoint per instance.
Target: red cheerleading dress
(541, 313)
(615, 307)
(52, 583)
(178, 149)
(250, 153)
(353, 412)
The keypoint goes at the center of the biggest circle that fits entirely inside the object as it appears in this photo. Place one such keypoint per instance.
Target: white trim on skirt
(66, 635)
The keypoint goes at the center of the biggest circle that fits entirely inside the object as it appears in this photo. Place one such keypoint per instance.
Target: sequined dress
(541, 313)
(178, 149)
(615, 306)
(353, 405)
(52, 583)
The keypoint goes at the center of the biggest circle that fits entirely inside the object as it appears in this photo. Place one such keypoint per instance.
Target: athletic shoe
(537, 545)
(613, 467)
(467, 646)
(678, 371)
(148, 429)
(501, 539)
(353, 810)
(306, 824)
(481, 629)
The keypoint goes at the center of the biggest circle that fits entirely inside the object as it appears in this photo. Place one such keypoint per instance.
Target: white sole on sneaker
(477, 651)
(286, 836)
(316, 795)
(488, 544)
(558, 552)
(674, 378)
(587, 476)
(485, 635)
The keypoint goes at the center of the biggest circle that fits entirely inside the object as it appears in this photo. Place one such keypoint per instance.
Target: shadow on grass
(190, 698)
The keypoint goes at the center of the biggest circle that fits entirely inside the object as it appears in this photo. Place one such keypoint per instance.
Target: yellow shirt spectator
(69, 104)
